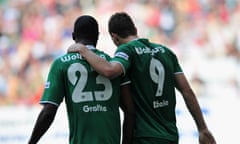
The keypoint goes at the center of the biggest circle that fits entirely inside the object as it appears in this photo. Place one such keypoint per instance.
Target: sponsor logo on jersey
(122, 55)
(95, 108)
(158, 104)
(68, 57)
(147, 50)
(47, 84)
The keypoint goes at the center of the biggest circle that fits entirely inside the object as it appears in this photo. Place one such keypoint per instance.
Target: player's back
(92, 101)
(152, 75)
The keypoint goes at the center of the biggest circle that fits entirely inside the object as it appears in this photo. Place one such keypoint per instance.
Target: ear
(115, 38)
(73, 36)
(136, 30)
(114, 35)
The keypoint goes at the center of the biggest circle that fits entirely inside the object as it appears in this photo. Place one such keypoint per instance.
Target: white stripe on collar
(91, 47)
(135, 39)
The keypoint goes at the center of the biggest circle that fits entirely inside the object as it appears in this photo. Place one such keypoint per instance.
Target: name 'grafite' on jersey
(92, 101)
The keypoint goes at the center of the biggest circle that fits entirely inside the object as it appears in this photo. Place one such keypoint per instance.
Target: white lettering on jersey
(157, 104)
(122, 55)
(67, 58)
(96, 108)
(147, 50)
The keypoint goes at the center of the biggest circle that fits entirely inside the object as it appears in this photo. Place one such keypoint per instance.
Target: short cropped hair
(121, 24)
(86, 28)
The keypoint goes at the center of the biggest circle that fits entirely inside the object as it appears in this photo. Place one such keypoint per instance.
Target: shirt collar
(135, 39)
(91, 47)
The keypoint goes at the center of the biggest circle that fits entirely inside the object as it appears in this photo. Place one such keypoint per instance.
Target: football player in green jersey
(92, 100)
(155, 73)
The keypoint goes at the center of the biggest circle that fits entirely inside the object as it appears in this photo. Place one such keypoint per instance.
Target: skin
(44, 121)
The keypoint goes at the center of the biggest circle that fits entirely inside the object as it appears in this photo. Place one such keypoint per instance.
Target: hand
(76, 47)
(205, 137)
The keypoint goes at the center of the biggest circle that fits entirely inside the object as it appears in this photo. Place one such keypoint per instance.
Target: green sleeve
(177, 67)
(54, 87)
(123, 56)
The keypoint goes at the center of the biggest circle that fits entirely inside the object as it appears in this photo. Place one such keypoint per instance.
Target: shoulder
(69, 57)
(102, 54)
(66, 59)
(164, 48)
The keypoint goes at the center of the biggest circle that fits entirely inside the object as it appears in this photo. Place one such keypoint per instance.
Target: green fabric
(151, 69)
(92, 101)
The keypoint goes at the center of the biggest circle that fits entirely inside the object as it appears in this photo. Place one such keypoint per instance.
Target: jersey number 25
(78, 94)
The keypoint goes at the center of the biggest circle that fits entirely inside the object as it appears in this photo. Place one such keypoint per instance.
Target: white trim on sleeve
(50, 102)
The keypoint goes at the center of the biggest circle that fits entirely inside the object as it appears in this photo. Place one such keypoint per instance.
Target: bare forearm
(101, 65)
(43, 122)
(128, 109)
(128, 126)
(38, 132)
(194, 109)
(190, 99)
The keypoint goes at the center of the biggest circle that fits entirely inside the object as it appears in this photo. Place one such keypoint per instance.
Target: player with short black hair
(92, 100)
(122, 25)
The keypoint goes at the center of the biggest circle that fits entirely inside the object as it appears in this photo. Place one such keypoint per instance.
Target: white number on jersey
(78, 94)
(157, 74)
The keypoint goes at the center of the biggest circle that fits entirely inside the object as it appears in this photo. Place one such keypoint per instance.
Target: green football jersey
(151, 69)
(92, 101)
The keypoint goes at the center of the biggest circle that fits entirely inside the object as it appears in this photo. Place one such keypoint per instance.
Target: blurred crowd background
(204, 34)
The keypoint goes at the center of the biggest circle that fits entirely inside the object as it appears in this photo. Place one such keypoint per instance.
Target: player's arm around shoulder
(102, 66)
